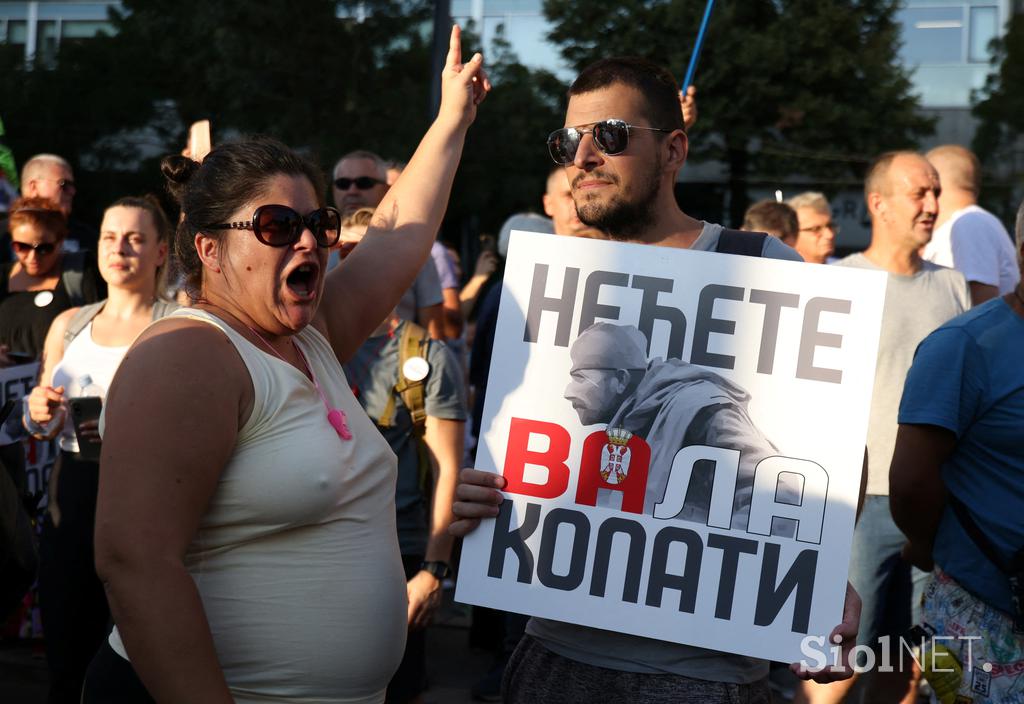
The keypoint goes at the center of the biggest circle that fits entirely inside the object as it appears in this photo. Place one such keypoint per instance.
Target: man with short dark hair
(777, 219)
(622, 147)
(967, 237)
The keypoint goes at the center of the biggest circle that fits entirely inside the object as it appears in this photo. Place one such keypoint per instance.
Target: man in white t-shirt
(967, 237)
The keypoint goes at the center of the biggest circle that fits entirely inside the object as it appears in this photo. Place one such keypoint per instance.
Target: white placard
(704, 493)
(15, 383)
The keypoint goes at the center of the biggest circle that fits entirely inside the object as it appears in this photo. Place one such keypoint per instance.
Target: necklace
(335, 416)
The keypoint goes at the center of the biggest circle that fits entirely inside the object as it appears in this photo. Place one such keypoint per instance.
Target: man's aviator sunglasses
(610, 136)
(280, 226)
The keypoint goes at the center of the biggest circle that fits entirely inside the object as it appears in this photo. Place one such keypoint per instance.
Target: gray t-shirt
(621, 651)
(425, 291)
(914, 307)
(372, 373)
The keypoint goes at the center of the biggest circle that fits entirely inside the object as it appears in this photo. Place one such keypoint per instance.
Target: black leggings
(72, 602)
(112, 680)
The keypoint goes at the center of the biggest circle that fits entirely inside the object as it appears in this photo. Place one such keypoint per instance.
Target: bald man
(967, 237)
(561, 208)
(902, 194)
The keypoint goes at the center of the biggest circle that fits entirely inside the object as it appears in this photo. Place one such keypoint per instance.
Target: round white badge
(43, 299)
(415, 369)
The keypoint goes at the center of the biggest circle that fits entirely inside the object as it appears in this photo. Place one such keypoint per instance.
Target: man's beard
(620, 219)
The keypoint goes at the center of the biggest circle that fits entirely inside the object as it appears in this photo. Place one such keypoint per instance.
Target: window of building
(954, 33)
(47, 42)
(17, 33)
(984, 28)
(932, 35)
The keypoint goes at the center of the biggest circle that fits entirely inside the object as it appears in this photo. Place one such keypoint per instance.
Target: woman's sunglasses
(41, 250)
(610, 136)
(280, 226)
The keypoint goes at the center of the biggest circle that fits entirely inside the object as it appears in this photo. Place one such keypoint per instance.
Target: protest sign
(682, 433)
(15, 383)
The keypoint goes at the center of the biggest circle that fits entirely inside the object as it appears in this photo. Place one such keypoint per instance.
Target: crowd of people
(268, 505)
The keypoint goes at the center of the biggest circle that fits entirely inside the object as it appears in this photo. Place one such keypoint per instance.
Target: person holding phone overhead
(246, 529)
(83, 348)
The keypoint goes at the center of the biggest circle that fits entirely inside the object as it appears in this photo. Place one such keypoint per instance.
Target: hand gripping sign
(682, 435)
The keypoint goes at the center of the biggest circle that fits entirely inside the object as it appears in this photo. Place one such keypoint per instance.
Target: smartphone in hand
(83, 410)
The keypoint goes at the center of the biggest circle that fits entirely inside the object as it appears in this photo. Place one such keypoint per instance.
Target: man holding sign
(623, 147)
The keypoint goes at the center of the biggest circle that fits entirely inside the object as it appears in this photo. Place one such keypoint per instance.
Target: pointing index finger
(454, 48)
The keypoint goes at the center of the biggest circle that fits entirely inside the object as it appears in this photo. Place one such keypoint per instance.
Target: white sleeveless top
(84, 357)
(296, 559)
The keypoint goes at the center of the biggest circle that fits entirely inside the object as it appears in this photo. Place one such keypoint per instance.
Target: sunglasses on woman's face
(280, 226)
(610, 136)
(41, 249)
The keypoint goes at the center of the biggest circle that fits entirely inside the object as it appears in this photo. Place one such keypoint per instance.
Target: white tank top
(84, 357)
(296, 559)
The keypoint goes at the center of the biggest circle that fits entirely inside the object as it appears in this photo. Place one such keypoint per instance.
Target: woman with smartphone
(83, 349)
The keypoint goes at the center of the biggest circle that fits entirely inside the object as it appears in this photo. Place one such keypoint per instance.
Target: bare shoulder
(178, 361)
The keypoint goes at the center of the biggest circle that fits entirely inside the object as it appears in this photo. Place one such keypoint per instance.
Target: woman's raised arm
(365, 288)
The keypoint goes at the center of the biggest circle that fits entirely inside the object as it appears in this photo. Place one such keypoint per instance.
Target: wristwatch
(439, 569)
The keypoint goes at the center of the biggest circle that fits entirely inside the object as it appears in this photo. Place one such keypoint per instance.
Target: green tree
(505, 164)
(1000, 111)
(785, 86)
(323, 76)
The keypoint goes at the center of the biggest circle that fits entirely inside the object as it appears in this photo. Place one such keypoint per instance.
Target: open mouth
(302, 280)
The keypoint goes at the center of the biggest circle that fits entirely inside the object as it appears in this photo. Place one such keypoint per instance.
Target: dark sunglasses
(41, 249)
(363, 183)
(280, 226)
(610, 136)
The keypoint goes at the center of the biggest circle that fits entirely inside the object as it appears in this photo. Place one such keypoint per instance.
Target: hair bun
(178, 170)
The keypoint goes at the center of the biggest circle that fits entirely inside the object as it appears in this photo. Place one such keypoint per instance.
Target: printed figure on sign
(676, 407)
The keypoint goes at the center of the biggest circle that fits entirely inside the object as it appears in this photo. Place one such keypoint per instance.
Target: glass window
(47, 41)
(17, 32)
(83, 29)
(984, 28)
(932, 35)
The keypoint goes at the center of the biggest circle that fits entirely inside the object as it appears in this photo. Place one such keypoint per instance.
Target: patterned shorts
(993, 663)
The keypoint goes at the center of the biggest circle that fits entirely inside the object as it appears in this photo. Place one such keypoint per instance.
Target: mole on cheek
(248, 268)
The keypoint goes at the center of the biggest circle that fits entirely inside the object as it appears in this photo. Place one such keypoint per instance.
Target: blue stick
(697, 46)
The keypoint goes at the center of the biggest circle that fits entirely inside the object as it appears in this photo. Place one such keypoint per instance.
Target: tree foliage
(325, 77)
(1000, 106)
(786, 87)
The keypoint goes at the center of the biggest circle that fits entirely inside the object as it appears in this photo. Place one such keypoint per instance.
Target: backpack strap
(413, 342)
(82, 317)
(750, 244)
(85, 314)
(162, 308)
(73, 276)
